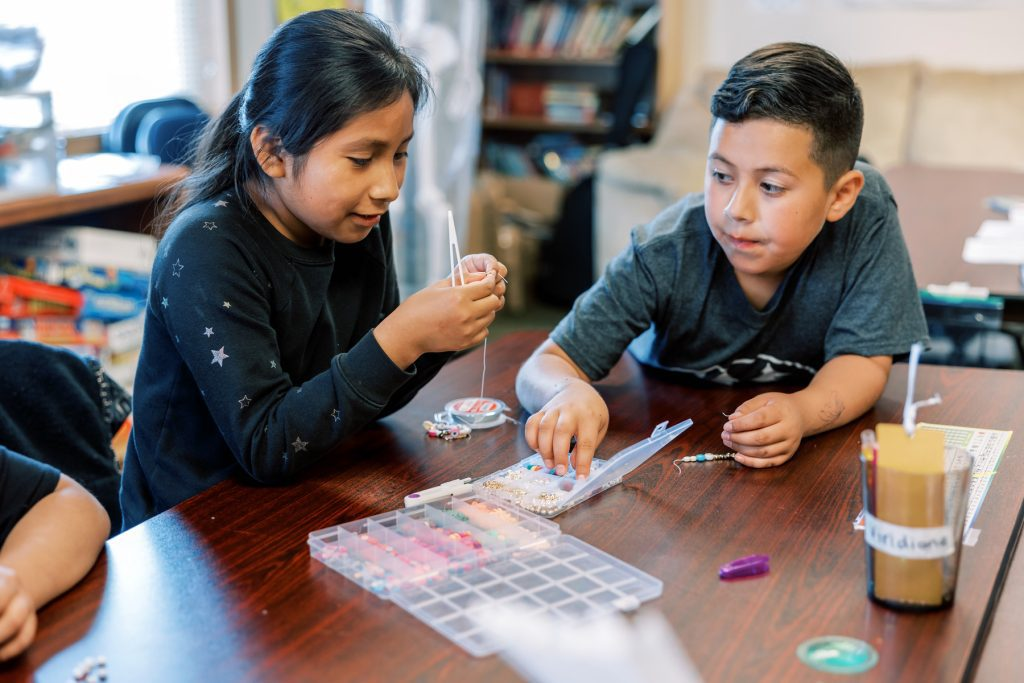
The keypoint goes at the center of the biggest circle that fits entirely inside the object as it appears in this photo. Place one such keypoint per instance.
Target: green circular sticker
(837, 654)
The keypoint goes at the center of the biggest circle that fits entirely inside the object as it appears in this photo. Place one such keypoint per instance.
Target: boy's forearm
(542, 376)
(843, 390)
(56, 542)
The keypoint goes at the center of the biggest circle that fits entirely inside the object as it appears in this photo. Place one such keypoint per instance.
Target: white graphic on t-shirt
(762, 369)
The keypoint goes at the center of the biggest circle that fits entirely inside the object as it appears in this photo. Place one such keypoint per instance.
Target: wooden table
(939, 208)
(122, 204)
(222, 587)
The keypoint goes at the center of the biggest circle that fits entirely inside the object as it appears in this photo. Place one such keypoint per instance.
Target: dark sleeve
(881, 312)
(213, 296)
(426, 366)
(23, 483)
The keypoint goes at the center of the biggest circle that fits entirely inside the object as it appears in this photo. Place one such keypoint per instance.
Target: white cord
(484, 374)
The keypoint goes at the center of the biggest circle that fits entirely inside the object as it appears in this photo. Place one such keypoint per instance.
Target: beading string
(455, 259)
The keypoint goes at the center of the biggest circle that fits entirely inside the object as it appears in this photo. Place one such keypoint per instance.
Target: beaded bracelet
(702, 457)
(705, 457)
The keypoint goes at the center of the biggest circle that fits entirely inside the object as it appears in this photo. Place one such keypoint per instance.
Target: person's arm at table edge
(57, 541)
(767, 429)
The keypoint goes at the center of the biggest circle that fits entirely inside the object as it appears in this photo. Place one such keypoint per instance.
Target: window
(101, 55)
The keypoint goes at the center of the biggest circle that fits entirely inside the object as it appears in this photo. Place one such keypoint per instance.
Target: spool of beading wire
(478, 412)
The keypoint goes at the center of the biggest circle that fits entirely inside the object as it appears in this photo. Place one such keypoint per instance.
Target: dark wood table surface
(939, 208)
(222, 587)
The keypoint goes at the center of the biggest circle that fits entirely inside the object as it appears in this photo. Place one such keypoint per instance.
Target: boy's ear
(844, 194)
(267, 149)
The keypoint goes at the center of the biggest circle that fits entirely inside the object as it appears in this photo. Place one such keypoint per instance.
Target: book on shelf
(559, 28)
(82, 245)
(24, 298)
(570, 102)
(83, 288)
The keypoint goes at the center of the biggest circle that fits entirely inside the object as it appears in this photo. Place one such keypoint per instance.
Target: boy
(790, 268)
(51, 530)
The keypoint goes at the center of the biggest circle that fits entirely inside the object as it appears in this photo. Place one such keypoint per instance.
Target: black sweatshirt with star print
(258, 355)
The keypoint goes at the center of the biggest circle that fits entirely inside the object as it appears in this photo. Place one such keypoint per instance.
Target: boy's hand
(440, 318)
(575, 411)
(485, 263)
(17, 615)
(765, 431)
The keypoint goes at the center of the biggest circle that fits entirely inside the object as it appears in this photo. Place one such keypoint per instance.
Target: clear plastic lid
(625, 461)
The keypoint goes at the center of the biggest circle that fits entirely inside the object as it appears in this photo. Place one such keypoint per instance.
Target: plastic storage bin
(448, 563)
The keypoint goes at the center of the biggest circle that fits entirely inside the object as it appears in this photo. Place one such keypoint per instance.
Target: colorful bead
(449, 431)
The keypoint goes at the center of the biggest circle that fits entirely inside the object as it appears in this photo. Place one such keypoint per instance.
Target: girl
(273, 328)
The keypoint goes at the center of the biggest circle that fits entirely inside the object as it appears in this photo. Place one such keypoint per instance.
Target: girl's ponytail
(217, 164)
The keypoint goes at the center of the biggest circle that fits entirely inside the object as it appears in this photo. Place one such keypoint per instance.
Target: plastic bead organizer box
(450, 562)
(447, 562)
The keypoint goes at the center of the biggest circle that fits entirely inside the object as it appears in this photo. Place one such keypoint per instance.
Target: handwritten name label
(913, 543)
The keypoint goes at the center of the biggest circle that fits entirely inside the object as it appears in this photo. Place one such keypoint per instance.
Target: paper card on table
(1006, 250)
(1001, 229)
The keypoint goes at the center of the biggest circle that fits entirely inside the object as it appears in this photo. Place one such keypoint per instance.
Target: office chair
(170, 133)
(167, 127)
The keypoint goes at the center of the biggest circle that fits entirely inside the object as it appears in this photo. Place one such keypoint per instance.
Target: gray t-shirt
(672, 297)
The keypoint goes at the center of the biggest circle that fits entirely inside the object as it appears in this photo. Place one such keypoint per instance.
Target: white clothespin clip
(454, 487)
(454, 257)
(910, 406)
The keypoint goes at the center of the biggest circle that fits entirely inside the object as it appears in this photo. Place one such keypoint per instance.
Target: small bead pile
(544, 503)
(91, 669)
(449, 431)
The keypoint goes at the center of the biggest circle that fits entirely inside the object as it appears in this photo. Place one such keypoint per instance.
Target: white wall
(252, 22)
(961, 34)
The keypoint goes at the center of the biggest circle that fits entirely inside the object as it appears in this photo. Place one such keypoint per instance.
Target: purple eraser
(751, 565)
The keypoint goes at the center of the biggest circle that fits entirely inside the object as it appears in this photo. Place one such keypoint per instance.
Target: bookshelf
(552, 71)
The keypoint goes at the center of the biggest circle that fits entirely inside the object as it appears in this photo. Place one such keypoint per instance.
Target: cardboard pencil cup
(915, 502)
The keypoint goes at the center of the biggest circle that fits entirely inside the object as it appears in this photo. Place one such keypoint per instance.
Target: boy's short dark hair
(803, 85)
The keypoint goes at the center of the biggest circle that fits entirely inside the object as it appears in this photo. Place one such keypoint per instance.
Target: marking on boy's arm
(832, 409)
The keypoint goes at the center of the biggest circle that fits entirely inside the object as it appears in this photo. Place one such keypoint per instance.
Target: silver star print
(244, 401)
(336, 415)
(299, 444)
(218, 356)
(208, 332)
(163, 302)
(209, 225)
(177, 266)
(227, 305)
(221, 203)
(273, 363)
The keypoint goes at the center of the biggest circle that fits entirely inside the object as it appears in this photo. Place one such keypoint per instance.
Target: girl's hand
(440, 318)
(575, 411)
(765, 431)
(485, 263)
(17, 615)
